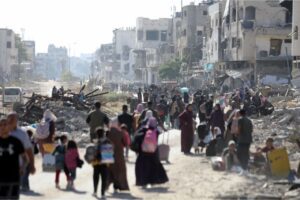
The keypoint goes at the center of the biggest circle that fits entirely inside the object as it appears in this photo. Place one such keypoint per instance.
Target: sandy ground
(191, 177)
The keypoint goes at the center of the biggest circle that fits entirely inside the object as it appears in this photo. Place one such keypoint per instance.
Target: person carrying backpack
(148, 168)
(102, 160)
(59, 153)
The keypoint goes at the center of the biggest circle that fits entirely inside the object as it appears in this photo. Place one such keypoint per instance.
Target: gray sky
(81, 25)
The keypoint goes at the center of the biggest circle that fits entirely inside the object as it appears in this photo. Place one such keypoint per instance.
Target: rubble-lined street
(204, 97)
(191, 177)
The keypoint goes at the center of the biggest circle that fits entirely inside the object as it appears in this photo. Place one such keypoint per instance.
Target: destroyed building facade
(253, 46)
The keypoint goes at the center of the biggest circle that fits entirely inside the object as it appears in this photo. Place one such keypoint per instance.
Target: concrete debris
(292, 195)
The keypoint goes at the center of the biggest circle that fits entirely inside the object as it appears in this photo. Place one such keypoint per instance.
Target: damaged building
(292, 7)
(153, 48)
(249, 43)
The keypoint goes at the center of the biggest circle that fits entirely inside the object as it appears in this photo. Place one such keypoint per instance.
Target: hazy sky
(81, 25)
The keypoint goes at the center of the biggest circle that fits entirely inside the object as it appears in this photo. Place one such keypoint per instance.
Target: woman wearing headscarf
(148, 168)
(187, 129)
(217, 118)
(148, 115)
(117, 171)
(50, 118)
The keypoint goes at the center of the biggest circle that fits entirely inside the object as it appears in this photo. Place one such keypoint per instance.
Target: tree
(170, 70)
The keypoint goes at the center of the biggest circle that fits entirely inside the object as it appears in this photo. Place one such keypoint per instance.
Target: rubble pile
(70, 109)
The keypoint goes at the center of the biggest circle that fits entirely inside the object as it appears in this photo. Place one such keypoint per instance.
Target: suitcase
(164, 149)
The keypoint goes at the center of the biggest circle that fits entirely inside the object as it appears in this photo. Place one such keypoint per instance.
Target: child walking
(72, 156)
(59, 154)
(103, 158)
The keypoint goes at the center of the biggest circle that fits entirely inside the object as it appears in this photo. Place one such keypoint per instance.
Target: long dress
(117, 171)
(149, 170)
(217, 120)
(187, 131)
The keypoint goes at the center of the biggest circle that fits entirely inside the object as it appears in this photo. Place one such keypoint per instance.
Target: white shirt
(23, 137)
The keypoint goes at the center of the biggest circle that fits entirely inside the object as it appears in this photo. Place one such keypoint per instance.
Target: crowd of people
(214, 124)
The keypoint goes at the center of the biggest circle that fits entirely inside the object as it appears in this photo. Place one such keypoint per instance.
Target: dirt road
(191, 177)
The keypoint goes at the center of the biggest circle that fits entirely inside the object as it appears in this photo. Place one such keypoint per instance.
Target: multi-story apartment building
(30, 53)
(293, 6)
(193, 27)
(154, 46)
(8, 53)
(51, 64)
(125, 41)
(255, 43)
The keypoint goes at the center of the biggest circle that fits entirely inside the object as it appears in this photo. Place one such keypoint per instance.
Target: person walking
(15, 131)
(100, 168)
(71, 159)
(187, 129)
(148, 168)
(50, 118)
(217, 119)
(126, 119)
(117, 171)
(11, 150)
(140, 96)
(136, 116)
(245, 128)
(59, 153)
(149, 108)
(95, 119)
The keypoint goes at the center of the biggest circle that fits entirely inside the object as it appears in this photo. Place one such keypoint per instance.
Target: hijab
(139, 108)
(149, 114)
(152, 123)
(49, 116)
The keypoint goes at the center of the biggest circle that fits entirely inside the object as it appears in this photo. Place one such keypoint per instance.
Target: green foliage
(170, 70)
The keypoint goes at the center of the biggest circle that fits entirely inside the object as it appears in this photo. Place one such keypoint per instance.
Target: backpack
(149, 144)
(43, 130)
(59, 154)
(137, 141)
(107, 153)
(90, 153)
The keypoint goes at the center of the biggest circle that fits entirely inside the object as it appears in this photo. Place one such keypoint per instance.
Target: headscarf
(114, 122)
(152, 122)
(187, 106)
(139, 108)
(49, 116)
(219, 132)
(149, 114)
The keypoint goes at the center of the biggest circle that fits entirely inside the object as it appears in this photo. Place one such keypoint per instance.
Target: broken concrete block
(292, 195)
(286, 119)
